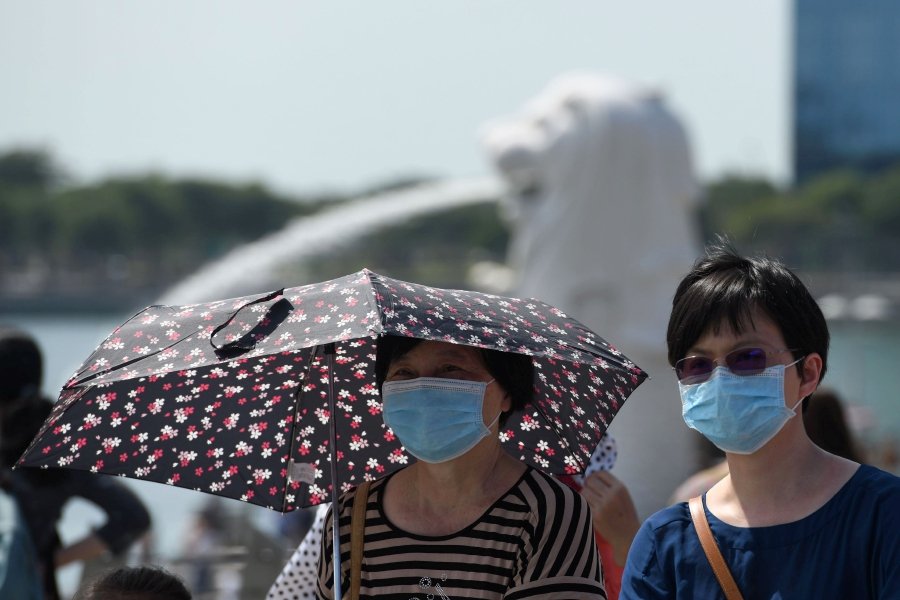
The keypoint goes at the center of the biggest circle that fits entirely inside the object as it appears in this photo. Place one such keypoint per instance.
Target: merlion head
(600, 191)
(578, 132)
(530, 149)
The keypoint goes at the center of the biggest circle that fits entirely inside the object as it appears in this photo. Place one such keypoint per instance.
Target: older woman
(466, 520)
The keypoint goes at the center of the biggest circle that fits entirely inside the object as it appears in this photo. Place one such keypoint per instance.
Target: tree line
(142, 233)
(841, 221)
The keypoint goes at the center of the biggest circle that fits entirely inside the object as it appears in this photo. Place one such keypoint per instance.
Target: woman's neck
(785, 481)
(469, 478)
(439, 499)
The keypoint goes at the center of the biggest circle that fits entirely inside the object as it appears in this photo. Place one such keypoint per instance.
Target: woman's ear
(810, 373)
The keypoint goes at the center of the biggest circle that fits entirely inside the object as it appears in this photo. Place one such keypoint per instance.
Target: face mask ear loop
(800, 372)
(497, 418)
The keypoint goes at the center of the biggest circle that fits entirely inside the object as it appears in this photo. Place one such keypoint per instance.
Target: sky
(337, 96)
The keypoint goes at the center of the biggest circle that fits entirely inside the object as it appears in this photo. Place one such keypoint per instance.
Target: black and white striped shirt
(536, 541)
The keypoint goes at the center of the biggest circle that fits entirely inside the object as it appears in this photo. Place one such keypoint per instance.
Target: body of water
(864, 367)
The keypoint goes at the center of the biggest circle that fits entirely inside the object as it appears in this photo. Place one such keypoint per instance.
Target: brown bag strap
(357, 535)
(711, 549)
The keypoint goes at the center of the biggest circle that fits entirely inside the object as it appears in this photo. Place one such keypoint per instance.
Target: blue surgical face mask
(436, 419)
(737, 413)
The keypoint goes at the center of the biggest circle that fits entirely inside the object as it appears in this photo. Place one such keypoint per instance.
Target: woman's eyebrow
(456, 354)
(400, 360)
(750, 341)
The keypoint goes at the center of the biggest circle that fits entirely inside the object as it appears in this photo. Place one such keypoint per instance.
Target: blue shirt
(19, 576)
(849, 548)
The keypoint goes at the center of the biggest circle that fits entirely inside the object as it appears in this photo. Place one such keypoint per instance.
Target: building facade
(846, 93)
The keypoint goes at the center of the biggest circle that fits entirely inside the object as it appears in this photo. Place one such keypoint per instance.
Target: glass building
(846, 85)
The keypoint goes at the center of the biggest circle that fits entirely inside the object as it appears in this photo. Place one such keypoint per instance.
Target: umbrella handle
(276, 313)
(328, 351)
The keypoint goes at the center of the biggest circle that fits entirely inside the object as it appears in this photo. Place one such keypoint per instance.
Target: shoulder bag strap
(711, 549)
(357, 535)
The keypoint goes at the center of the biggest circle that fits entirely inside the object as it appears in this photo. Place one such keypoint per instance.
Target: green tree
(731, 194)
(28, 168)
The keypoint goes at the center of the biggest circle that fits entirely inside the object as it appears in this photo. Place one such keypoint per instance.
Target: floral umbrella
(270, 399)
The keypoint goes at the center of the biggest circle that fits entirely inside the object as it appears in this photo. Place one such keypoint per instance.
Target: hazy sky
(340, 95)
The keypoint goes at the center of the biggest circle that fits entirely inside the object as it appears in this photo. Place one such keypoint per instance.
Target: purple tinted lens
(694, 367)
(747, 361)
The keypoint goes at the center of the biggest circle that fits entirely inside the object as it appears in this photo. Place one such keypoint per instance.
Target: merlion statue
(600, 196)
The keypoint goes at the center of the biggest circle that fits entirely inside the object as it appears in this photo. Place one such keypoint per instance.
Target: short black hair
(136, 583)
(20, 425)
(514, 372)
(21, 365)
(725, 286)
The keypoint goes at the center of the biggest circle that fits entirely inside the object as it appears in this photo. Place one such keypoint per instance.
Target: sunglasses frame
(702, 377)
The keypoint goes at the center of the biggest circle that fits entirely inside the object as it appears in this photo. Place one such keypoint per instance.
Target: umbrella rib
(297, 395)
(370, 289)
(118, 329)
(129, 362)
(49, 423)
(328, 350)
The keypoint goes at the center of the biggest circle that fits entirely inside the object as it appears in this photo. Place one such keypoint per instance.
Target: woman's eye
(400, 374)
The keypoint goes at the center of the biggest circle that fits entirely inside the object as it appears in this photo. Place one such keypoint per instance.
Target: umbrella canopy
(236, 397)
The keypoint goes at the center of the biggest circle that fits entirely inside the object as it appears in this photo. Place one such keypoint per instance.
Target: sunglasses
(743, 361)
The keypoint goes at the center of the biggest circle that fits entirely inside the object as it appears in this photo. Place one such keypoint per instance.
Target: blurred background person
(201, 548)
(42, 494)
(297, 579)
(613, 512)
(20, 575)
(825, 419)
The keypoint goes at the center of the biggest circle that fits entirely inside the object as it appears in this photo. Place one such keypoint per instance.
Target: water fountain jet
(248, 269)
